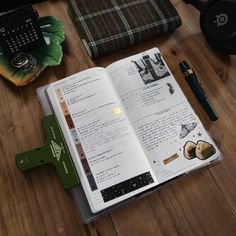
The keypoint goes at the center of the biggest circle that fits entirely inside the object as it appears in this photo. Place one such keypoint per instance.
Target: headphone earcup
(218, 24)
(228, 47)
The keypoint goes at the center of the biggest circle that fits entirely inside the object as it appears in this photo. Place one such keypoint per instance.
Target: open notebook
(129, 128)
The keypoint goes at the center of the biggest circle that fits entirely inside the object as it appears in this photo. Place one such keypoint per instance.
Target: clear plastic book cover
(78, 193)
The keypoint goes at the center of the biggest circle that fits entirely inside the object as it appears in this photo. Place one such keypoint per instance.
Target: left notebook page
(107, 155)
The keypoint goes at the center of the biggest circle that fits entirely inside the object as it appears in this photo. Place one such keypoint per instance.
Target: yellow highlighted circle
(116, 110)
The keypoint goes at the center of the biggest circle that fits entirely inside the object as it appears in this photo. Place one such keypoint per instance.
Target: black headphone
(218, 23)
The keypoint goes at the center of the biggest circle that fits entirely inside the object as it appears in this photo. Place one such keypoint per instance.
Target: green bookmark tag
(55, 152)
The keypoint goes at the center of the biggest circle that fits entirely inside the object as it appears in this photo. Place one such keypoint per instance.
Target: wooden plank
(148, 216)
(217, 72)
(203, 204)
(192, 206)
(29, 203)
(34, 203)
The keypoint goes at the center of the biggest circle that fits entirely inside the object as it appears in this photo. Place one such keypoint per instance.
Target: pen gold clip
(197, 89)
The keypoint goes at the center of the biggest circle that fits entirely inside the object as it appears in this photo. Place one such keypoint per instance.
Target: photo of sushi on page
(202, 150)
(195, 142)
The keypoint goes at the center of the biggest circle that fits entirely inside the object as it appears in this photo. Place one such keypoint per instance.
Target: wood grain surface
(202, 204)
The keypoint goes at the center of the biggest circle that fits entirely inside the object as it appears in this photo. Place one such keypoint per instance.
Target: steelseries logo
(56, 150)
(221, 19)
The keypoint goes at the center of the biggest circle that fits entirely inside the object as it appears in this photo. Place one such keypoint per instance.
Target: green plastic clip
(55, 152)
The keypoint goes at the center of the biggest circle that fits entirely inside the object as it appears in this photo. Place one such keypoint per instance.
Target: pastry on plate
(189, 150)
(204, 150)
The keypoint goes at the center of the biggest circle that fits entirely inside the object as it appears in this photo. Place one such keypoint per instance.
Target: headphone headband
(199, 4)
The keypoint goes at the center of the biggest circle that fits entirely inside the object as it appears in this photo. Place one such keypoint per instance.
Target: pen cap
(184, 66)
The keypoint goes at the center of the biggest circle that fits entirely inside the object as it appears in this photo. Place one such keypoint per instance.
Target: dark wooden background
(202, 204)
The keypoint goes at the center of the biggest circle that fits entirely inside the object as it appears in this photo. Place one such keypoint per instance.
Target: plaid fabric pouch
(109, 25)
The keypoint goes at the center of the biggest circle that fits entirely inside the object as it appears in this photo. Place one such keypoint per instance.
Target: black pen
(196, 87)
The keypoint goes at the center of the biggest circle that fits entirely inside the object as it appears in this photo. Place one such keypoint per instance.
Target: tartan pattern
(110, 25)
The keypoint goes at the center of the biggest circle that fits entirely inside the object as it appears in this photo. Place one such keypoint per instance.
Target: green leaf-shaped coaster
(49, 55)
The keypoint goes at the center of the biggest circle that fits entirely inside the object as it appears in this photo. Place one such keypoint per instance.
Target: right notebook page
(172, 136)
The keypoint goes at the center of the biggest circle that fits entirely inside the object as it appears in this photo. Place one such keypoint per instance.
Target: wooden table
(202, 204)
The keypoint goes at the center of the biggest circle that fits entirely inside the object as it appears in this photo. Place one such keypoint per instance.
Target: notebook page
(163, 119)
(107, 155)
